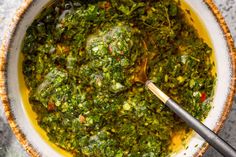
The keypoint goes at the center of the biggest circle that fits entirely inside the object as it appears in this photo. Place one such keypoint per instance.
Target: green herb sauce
(79, 62)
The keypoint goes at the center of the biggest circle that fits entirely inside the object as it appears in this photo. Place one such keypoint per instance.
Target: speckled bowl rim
(3, 83)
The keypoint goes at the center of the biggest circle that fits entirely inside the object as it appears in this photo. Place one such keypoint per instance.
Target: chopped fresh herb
(79, 61)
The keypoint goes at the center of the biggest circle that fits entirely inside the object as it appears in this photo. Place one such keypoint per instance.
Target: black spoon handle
(214, 140)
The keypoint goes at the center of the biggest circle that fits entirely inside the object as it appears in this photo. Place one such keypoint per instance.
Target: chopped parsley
(79, 61)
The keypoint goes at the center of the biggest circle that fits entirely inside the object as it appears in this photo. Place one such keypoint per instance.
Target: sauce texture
(79, 60)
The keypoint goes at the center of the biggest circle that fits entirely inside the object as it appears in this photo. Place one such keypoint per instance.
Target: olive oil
(32, 116)
(177, 139)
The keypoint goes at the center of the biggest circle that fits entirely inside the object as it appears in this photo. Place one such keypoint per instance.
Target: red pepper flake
(203, 97)
(51, 106)
(118, 58)
(105, 5)
(110, 48)
(82, 119)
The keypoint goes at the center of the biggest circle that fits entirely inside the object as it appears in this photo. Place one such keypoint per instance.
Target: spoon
(214, 140)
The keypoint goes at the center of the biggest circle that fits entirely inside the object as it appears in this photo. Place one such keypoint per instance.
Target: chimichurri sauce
(79, 62)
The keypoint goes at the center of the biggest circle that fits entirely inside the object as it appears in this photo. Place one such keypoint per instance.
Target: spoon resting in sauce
(214, 140)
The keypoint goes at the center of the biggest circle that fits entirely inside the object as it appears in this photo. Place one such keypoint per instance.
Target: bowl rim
(3, 79)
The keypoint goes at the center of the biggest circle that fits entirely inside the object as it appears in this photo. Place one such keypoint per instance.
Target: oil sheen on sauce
(179, 139)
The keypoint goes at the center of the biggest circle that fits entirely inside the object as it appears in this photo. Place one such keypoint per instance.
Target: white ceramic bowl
(27, 132)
